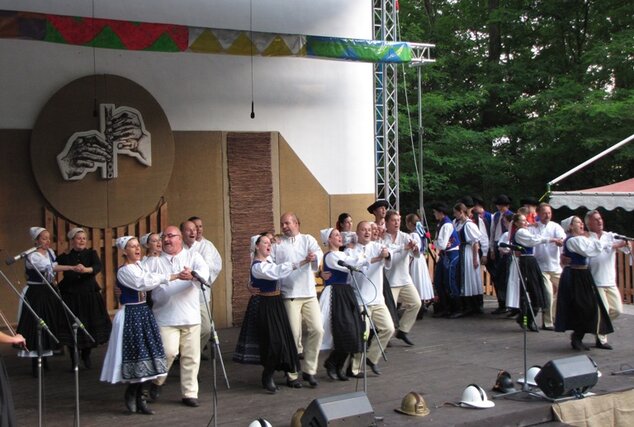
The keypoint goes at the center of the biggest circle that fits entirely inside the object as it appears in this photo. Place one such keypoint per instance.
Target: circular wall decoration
(102, 151)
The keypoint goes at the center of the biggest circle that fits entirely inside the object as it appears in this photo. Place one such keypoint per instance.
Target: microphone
(201, 280)
(348, 266)
(509, 246)
(619, 237)
(24, 254)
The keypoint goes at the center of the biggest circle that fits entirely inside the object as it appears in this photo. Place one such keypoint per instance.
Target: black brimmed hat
(502, 199)
(378, 204)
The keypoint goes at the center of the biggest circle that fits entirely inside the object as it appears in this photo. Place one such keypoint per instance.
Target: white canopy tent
(612, 196)
(617, 195)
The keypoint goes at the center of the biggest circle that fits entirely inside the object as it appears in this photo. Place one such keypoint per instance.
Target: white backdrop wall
(322, 108)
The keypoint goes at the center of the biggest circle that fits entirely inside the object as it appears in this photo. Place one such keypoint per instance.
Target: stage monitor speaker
(350, 409)
(567, 377)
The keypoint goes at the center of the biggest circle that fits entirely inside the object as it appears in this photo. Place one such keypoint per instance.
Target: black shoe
(513, 312)
(457, 315)
(373, 366)
(130, 397)
(403, 337)
(192, 402)
(439, 314)
(577, 344)
(533, 327)
(155, 391)
(341, 376)
(547, 328)
(310, 379)
(500, 310)
(331, 370)
(293, 383)
(603, 346)
(268, 383)
(141, 402)
(349, 373)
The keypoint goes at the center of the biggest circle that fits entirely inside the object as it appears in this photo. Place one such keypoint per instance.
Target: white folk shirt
(548, 255)
(370, 283)
(211, 256)
(603, 265)
(135, 276)
(301, 282)
(444, 234)
(177, 303)
(398, 275)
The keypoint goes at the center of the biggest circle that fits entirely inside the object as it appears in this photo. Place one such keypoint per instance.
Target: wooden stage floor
(448, 356)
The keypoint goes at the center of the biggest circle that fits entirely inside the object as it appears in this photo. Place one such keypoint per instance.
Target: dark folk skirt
(529, 269)
(91, 310)
(579, 308)
(277, 346)
(142, 353)
(248, 346)
(389, 301)
(345, 317)
(49, 308)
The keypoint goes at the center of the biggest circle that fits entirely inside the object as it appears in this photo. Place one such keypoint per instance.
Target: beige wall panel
(21, 208)
(196, 188)
(301, 193)
(353, 204)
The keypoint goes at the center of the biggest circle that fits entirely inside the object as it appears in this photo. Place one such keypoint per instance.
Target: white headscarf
(566, 223)
(35, 232)
(71, 234)
(325, 235)
(143, 240)
(123, 241)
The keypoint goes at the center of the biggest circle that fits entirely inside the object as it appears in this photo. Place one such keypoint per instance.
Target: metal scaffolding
(386, 103)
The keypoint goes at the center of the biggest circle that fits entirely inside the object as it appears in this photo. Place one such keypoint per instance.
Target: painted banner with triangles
(141, 36)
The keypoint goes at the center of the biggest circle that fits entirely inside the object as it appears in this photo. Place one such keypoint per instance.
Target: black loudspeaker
(350, 409)
(568, 376)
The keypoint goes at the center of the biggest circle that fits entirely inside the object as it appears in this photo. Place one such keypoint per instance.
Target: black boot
(341, 367)
(130, 397)
(85, 357)
(331, 366)
(267, 380)
(141, 401)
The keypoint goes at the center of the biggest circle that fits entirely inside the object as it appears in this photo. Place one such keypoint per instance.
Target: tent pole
(587, 162)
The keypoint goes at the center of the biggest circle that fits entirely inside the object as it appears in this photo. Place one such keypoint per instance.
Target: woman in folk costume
(247, 349)
(418, 266)
(503, 266)
(579, 308)
(135, 352)
(523, 241)
(277, 345)
(7, 410)
(342, 322)
(40, 297)
(470, 276)
(82, 294)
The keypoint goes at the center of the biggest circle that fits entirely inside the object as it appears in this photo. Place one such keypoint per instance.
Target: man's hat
(467, 201)
(502, 199)
(529, 201)
(441, 207)
(477, 200)
(378, 204)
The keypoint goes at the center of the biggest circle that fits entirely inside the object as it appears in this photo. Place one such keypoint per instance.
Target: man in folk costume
(299, 293)
(531, 203)
(502, 203)
(403, 249)
(447, 244)
(547, 257)
(603, 270)
(370, 283)
(483, 240)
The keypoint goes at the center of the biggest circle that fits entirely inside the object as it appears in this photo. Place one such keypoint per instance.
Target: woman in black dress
(82, 294)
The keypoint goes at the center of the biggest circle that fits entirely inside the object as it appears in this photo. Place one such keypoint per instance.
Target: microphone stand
(366, 316)
(526, 307)
(41, 325)
(77, 324)
(214, 352)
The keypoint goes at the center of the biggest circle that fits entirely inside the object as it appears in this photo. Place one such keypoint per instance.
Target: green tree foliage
(521, 91)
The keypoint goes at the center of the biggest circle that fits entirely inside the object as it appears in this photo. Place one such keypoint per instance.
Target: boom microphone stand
(41, 325)
(215, 352)
(76, 325)
(527, 307)
(366, 316)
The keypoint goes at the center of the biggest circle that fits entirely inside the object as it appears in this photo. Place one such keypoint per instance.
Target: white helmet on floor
(474, 396)
(260, 422)
(530, 376)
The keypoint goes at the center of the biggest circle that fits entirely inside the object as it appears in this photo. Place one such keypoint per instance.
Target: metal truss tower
(386, 108)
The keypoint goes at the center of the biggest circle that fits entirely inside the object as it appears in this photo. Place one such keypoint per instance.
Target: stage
(448, 356)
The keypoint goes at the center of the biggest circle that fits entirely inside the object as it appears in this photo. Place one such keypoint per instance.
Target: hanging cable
(251, 37)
